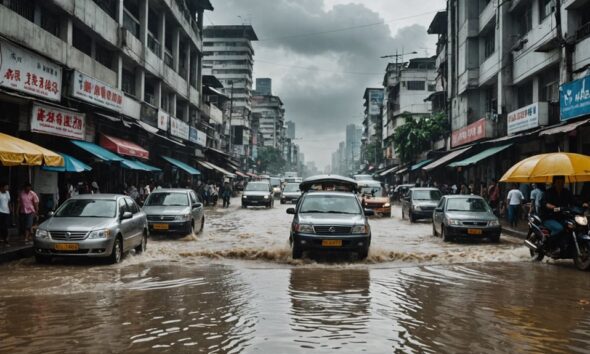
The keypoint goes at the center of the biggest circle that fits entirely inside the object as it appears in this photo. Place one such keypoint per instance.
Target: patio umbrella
(18, 152)
(542, 168)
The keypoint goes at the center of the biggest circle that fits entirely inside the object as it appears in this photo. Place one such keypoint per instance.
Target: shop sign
(24, 71)
(179, 128)
(163, 120)
(91, 90)
(193, 136)
(574, 99)
(56, 121)
(198, 137)
(470, 133)
(375, 101)
(149, 114)
(528, 117)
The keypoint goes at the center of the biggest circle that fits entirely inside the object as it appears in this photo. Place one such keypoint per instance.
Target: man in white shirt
(5, 209)
(514, 200)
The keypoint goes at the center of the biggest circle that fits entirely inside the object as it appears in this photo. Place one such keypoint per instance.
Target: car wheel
(411, 217)
(117, 252)
(143, 245)
(41, 259)
(444, 235)
(496, 239)
(363, 254)
(434, 233)
(193, 230)
(202, 225)
(282, 202)
(296, 251)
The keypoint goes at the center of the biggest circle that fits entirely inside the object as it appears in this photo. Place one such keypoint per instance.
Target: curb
(16, 252)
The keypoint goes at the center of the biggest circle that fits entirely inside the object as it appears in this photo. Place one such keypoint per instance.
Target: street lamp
(397, 56)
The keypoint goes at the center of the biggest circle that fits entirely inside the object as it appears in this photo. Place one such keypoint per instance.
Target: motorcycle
(575, 239)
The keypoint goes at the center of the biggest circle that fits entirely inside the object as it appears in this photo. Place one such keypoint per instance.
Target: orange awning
(123, 147)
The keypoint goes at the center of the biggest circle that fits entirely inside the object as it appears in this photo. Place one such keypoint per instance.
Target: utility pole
(231, 110)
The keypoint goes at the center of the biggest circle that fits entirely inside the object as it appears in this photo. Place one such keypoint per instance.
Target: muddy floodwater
(235, 289)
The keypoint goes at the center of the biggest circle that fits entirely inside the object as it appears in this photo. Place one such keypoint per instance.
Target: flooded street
(235, 289)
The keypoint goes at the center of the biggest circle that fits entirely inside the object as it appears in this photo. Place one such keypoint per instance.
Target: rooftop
(230, 31)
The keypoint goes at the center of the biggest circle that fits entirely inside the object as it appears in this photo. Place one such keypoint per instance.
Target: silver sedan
(92, 225)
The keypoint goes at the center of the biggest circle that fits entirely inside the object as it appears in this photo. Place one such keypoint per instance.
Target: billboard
(574, 99)
(375, 101)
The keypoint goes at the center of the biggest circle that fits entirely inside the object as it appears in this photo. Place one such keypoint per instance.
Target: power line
(309, 34)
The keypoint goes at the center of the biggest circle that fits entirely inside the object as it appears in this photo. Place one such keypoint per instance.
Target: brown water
(236, 289)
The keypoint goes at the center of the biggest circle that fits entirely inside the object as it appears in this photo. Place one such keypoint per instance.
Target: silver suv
(92, 225)
(174, 211)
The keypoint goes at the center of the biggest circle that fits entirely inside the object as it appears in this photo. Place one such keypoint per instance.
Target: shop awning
(564, 128)
(186, 168)
(98, 151)
(70, 165)
(17, 152)
(252, 175)
(147, 167)
(481, 156)
(443, 160)
(123, 147)
(133, 165)
(204, 164)
(224, 171)
(420, 164)
(402, 171)
(388, 171)
(243, 175)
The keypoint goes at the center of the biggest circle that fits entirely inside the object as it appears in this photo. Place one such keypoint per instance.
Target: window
(104, 56)
(108, 6)
(50, 22)
(431, 87)
(416, 85)
(549, 86)
(525, 94)
(25, 8)
(546, 8)
(489, 42)
(131, 206)
(524, 20)
(122, 206)
(82, 41)
(193, 197)
(128, 82)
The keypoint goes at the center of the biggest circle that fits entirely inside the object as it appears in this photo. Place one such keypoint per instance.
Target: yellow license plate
(474, 231)
(332, 243)
(67, 247)
(161, 226)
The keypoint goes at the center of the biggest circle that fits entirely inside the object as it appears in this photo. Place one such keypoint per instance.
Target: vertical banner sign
(59, 122)
(27, 72)
(375, 101)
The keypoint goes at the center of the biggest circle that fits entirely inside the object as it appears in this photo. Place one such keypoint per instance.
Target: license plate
(161, 226)
(67, 247)
(332, 243)
(474, 231)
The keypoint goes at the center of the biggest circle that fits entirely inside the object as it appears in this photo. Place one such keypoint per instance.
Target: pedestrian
(514, 200)
(28, 208)
(226, 194)
(464, 189)
(5, 211)
(494, 196)
(454, 188)
(94, 188)
(537, 195)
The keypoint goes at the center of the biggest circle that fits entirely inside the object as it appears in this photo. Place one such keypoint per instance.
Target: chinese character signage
(179, 128)
(375, 101)
(528, 117)
(24, 71)
(91, 90)
(574, 98)
(163, 119)
(470, 133)
(56, 121)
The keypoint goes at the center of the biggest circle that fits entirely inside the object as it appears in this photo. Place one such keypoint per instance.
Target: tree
(417, 135)
(271, 160)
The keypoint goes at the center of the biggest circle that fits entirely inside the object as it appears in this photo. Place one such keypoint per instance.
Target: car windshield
(467, 204)
(167, 199)
(257, 187)
(375, 191)
(333, 204)
(426, 195)
(292, 188)
(87, 208)
(275, 181)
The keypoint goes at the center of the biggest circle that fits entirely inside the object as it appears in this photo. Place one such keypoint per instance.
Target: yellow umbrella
(542, 168)
(17, 152)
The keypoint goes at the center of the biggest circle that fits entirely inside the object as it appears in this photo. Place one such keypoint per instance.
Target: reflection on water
(480, 308)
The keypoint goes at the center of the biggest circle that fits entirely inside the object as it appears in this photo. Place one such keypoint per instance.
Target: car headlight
(453, 222)
(581, 220)
(494, 223)
(417, 208)
(185, 217)
(42, 234)
(360, 229)
(386, 205)
(245, 197)
(304, 228)
(104, 233)
(266, 197)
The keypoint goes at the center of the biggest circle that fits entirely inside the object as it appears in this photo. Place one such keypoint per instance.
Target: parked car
(258, 194)
(174, 211)
(290, 193)
(401, 190)
(465, 216)
(373, 196)
(92, 225)
(329, 216)
(419, 203)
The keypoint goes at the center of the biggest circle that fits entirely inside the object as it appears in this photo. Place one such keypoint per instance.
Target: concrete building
(371, 137)
(353, 148)
(263, 87)
(271, 114)
(129, 69)
(228, 52)
(290, 130)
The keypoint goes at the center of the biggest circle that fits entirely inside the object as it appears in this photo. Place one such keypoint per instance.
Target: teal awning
(97, 151)
(481, 156)
(188, 169)
(147, 167)
(70, 165)
(133, 165)
(420, 164)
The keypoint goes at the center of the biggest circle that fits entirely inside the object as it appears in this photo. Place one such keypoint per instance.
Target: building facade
(270, 113)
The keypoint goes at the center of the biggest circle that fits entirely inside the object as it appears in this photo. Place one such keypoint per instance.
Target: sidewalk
(16, 248)
(520, 231)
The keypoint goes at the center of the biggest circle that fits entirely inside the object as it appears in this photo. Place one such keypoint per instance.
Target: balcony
(582, 54)
(468, 80)
(168, 59)
(154, 45)
(488, 70)
(131, 23)
(487, 15)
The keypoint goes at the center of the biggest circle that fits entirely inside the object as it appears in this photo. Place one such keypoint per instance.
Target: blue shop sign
(193, 135)
(574, 98)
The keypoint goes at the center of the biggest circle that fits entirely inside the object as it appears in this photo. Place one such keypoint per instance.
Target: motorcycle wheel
(537, 255)
(582, 259)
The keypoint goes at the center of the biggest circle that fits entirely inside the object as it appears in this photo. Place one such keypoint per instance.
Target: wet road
(235, 289)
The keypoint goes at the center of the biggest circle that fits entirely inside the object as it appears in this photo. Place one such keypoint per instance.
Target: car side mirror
(369, 212)
(50, 213)
(197, 205)
(291, 211)
(126, 215)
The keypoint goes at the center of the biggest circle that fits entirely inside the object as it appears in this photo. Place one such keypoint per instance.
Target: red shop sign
(470, 133)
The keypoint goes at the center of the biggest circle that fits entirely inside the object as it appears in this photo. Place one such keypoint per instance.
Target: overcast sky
(321, 77)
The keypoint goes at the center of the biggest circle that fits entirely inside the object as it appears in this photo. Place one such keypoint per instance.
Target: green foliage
(271, 160)
(417, 135)
(373, 153)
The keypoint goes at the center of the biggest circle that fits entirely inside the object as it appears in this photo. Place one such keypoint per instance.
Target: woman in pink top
(28, 207)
